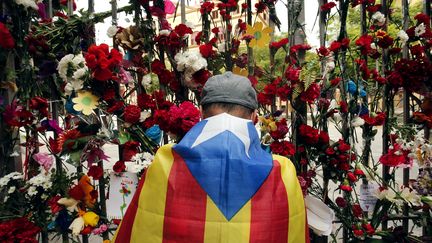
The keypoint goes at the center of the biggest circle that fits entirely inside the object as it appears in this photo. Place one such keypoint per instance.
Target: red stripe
(125, 231)
(269, 212)
(185, 207)
(307, 230)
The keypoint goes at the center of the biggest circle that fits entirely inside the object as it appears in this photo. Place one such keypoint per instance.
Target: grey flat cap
(229, 88)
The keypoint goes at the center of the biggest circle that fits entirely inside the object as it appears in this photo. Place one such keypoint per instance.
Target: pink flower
(44, 159)
(102, 228)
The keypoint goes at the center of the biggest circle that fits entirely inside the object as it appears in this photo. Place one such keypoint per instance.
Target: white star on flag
(224, 122)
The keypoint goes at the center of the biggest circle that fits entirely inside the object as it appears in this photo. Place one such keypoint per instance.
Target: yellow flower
(85, 102)
(262, 36)
(90, 218)
(106, 241)
(240, 71)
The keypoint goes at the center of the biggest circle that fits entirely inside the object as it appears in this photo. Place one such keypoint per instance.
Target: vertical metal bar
(386, 107)
(427, 8)
(183, 11)
(91, 6)
(249, 49)
(102, 199)
(50, 9)
(70, 7)
(406, 109)
(427, 11)
(113, 12)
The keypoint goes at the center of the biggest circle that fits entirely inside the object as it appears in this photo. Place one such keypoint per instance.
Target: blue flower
(351, 87)
(154, 133)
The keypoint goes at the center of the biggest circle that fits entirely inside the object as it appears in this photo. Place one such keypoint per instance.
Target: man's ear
(201, 112)
(254, 115)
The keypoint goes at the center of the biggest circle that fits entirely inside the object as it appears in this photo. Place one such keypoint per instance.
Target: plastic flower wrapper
(320, 216)
(85, 102)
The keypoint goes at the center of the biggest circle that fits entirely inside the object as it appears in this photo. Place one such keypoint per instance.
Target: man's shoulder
(284, 162)
(165, 148)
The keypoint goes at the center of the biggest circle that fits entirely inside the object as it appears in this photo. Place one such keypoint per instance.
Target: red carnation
(358, 232)
(311, 93)
(182, 30)
(309, 134)
(260, 7)
(96, 172)
(323, 51)
(206, 50)
(359, 172)
(132, 114)
(118, 105)
(283, 148)
(343, 147)
(281, 129)
(369, 229)
(327, 6)
(119, 166)
(279, 44)
(76, 193)
(346, 188)
(40, 104)
(351, 177)
(335, 46)
(6, 40)
(103, 62)
(364, 42)
(341, 202)
(357, 211)
(55, 207)
(324, 138)
(206, 7)
(130, 148)
(335, 82)
(201, 76)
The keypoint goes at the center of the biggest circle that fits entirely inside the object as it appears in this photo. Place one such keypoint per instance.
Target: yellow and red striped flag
(201, 192)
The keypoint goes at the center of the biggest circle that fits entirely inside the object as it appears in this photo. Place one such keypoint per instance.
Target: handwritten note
(367, 198)
(122, 189)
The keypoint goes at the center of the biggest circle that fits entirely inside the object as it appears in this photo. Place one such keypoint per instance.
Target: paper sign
(367, 197)
(122, 189)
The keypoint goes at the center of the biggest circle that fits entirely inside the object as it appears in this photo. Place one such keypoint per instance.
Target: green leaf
(75, 157)
(124, 137)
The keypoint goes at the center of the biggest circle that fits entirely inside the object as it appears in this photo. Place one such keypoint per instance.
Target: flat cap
(229, 88)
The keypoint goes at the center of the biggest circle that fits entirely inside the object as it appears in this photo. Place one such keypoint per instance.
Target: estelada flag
(217, 185)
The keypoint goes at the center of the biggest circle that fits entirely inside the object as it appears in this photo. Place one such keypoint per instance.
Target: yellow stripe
(219, 230)
(297, 214)
(149, 219)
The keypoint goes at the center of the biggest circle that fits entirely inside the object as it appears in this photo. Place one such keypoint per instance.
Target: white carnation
(420, 30)
(379, 18)
(146, 80)
(164, 32)
(27, 4)
(11, 176)
(63, 66)
(31, 191)
(74, 85)
(329, 66)
(403, 36)
(78, 74)
(112, 31)
(11, 189)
